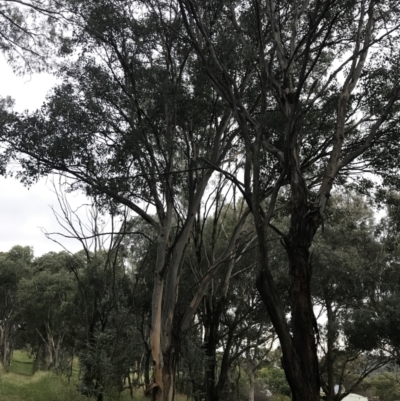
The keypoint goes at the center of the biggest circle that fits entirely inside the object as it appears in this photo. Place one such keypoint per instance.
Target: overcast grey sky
(24, 212)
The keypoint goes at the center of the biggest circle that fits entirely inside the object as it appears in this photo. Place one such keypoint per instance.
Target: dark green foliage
(14, 266)
(275, 380)
(45, 306)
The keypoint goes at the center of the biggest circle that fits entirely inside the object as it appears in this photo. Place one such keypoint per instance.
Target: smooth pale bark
(165, 332)
(164, 339)
(52, 343)
(156, 326)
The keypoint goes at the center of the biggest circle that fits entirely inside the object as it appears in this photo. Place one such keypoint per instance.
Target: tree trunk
(300, 358)
(91, 381)
(164, 329)
(5, 347)
(7, 353)
(37, 361)
(330, 391)
(169, 372)
(251, 384)
(50, 353)
(210, 345)
(303, 226)
(166, 373)
(306, 385)
(299, 350)
(146, 368)
(225, 373)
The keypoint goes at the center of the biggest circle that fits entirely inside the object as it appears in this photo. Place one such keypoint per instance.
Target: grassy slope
(18, 384)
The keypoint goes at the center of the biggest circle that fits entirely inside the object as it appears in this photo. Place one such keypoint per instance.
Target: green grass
(22, 363)
(19, 384)
(42, 386)
(47, 386)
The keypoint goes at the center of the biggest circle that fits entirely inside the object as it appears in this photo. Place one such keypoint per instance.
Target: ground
(18, 384)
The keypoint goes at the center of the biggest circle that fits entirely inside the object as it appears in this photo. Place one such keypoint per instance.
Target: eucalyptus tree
(243, 332)
(373, 326)
(135, 124)
(314, 88)
(229, 321)
(44, 304)
(105, 337)
(102, 331)
(349, 261)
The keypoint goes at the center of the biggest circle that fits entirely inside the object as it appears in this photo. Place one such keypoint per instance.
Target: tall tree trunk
(5, 344)
(156, 387)
(303, 226)
(50, 355)
(213, 312)
(330, 391)
(299, 356)
(6, 351)
(90, 377)
(146, 367)
(168, 373)
(299, 350)
(37, 360)
(165, 331)
(165, 374)
(307, 386)
(225, 372)
(251, 384)
(211, 322)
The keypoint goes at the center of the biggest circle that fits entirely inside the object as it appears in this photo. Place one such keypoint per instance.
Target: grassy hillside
(18, 384)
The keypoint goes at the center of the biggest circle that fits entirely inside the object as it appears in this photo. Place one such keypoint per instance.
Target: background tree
(14, 265)
(44, 304)
(105, 337)
(346, 256)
